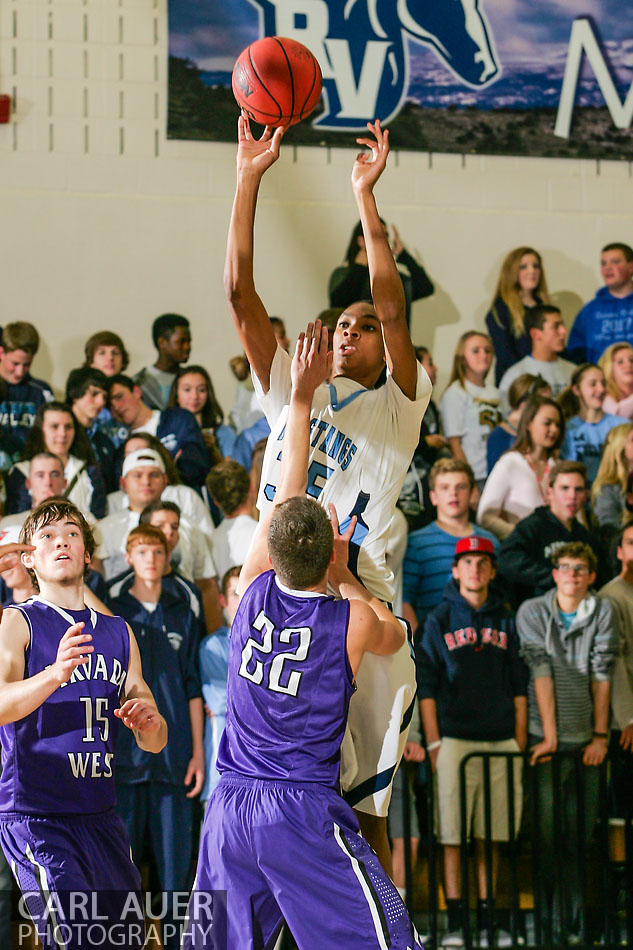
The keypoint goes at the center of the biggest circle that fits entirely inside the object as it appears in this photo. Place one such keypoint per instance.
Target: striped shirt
(427, 565)
(574, 658)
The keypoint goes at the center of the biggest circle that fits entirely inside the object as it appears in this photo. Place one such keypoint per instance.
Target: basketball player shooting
(364, 428)
(278, 839)
(68, 675)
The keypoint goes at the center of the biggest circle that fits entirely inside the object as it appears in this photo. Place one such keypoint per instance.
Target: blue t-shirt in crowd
(567, 618)
(584, 441)
(427, 565)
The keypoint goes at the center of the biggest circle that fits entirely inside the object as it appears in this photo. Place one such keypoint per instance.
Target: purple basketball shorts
(77, 879)
(272, 851)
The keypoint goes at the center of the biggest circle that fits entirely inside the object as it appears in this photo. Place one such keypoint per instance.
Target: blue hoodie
(180, 434)
(20, 402)
(468, 661)
(604, 320)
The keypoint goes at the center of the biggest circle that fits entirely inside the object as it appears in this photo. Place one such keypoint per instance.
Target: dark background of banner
(513, 115)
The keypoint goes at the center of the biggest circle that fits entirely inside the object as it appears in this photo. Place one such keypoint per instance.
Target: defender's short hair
(567, 467)
(447, 467)
(164, 326)
(52, 511)
(229, 483)
(145, 534)
(577, 550)
(20, 336)
(300, 541)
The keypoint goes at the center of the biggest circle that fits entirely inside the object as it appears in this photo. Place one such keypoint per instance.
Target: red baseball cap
(474, 545)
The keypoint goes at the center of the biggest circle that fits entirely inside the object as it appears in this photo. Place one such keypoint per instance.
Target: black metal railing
(564, 837)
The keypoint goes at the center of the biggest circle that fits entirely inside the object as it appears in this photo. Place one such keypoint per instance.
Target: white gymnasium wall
(105, 223)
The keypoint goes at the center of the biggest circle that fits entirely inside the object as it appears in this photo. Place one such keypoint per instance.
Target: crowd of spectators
(518, 501)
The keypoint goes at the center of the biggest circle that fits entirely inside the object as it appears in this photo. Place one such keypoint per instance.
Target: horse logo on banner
(362, 47)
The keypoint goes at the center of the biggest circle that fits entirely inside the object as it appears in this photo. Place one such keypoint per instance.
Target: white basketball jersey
(361, 445)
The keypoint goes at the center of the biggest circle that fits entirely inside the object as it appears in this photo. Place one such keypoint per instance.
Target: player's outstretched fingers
(138, 715)
(75, 643)
(350, 529)
(315, 344)
(129, 713)
(244, 128)
(275, 144)
(324, 341)
(71, 652)
(335, 525)
(382, 135)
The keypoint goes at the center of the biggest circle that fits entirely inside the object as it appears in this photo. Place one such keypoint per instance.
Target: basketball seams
(290, 75)
(307, 98)
(265, 88)
(272, 82)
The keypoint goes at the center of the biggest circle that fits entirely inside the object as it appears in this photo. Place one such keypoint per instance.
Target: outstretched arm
(310, 367)
(386, 285)
(254, 157)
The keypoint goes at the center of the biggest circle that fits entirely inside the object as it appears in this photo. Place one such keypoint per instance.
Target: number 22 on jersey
(270, 672)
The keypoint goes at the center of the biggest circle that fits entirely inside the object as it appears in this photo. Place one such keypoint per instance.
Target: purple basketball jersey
(60, 758)
(289, 685)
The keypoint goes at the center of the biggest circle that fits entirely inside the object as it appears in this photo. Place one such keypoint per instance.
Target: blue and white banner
(547, 77)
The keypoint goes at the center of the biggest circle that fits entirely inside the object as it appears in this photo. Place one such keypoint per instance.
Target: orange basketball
(277, 81)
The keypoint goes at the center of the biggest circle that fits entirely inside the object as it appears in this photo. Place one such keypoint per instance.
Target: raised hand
(255, 156)
(71, 652)
(311, 364)
(341, 541)
(369, 166)
(138, 715)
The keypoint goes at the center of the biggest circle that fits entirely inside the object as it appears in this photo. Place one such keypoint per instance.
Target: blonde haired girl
(617, 365)
(608, 493)
(521, 285)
